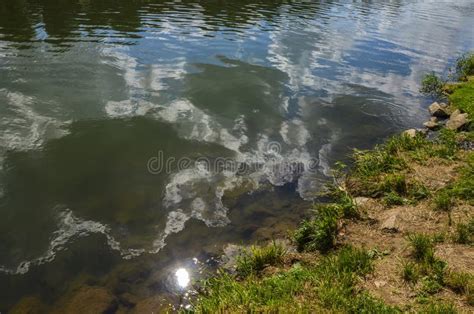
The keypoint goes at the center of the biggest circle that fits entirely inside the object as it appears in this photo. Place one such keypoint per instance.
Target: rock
(380, 283)
(29, 305)
(89, 299)
(128, 299)
(270, 271)
(410, 133)
(431, 125)
(152, 305)
(439, 110)
(457, 121)
(275, 228)
(231, 253)
(361, 201)
(455, 113)
(390, 224)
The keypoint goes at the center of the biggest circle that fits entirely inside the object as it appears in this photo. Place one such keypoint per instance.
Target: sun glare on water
(182, 277)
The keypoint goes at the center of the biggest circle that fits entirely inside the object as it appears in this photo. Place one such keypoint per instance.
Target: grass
(329, 285)
(346, 206)
(417, 191)
(463, 188)
(410, 272)
(255, 259)
(463, 97)
(446, 145)
(460, 283)
(318, 233)
(429, 286)
(386, 158)
(432, 85)
(440, 308)
(422, 246)
(392, 198)
(443, 201)
(394, 183)
(465, 66)
(465, 233)
(343, 202)
(433, 271)
(225, 294)
(381, 171)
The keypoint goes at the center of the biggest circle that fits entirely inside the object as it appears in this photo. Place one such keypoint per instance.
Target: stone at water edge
(439, 110)
(431, 125)
(458, 120)
(410, 133)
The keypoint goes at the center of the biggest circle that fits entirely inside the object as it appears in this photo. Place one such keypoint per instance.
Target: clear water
(94, 95)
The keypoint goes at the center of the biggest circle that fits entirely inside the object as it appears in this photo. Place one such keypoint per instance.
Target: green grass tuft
(443, 201)
(346, 206)
(432, 85)
(418, 191)
(460, 283)
(393, 199)
(464, 233)
(439, 308)
(410, 272)
(430, 286)
(422, 246)
(318, 233)
(395, 183)
(257, 258)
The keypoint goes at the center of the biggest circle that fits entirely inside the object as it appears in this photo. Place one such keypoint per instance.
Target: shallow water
(138, 135)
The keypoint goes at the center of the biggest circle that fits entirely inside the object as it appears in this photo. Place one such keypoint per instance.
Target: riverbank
(397, 236)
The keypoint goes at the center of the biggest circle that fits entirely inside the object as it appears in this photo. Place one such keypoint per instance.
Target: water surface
(95, 94)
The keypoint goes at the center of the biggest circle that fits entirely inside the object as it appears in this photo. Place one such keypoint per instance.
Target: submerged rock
(439, 110)
(29, 305)
(458, 120)
(89, 299)
(274, 228)
(231, 253)
(152, 305)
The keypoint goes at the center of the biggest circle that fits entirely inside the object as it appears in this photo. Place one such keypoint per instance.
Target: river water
(139, 137)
